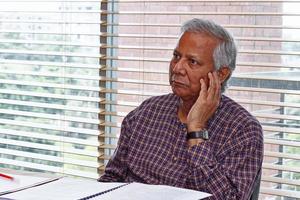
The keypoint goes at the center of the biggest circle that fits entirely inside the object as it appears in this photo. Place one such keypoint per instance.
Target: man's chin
(178, 92)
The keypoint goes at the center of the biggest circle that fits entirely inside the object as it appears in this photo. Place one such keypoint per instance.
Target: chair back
(256, 187)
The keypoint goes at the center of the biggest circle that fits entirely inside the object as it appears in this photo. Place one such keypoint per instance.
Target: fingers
(203, 89)
(217, 94)
(214, 86)
(211, 92)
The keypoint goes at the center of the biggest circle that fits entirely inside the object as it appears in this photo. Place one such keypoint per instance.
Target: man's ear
(223, 73)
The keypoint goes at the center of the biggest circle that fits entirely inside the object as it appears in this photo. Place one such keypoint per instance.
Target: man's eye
(193, 62)
(176, 56)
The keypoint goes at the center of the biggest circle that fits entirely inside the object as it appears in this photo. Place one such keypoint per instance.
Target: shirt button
(174, 158)
(184, 129)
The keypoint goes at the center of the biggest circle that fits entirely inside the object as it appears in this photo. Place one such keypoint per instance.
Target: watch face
(205, 134)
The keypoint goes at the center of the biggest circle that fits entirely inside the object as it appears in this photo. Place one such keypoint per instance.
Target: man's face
(192, 60)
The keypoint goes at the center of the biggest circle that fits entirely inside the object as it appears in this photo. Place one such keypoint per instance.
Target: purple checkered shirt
(153, 149)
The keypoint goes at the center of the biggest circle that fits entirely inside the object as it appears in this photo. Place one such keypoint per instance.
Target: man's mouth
(179, 83)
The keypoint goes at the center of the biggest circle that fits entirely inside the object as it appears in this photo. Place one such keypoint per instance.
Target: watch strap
(202, 134)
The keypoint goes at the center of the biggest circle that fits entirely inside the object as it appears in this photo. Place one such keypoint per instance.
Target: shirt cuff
(202, 154)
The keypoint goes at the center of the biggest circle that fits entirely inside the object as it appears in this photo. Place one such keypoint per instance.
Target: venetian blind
(71, 70)
(266, 80)
(50, 85)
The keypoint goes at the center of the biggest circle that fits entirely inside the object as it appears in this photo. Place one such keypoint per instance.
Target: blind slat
(58, 117)
(155, 1)
(51, 21)
(281, 167)
(53, 138)
(280, 192)
(63, 128)
(50, 53)
(282, 155)
(49, 147)
(283, 142)
(49, 168)
(53, 11)
(53, 33)
(224, 25)
(45, 42)
(281, 180)
(283, 130)
(49, 95)
(204, 13)
(60, 160)
(216, 1)
(56, 75)
(49, 85)
(45, 63)
(50, 105)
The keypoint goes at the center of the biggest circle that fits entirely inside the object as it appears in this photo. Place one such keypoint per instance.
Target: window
(265, 82)
(49, 86)
(71, 70)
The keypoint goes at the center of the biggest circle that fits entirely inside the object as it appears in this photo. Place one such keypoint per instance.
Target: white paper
(20, 182)
(71, 189)
(63, 189)
(138, 191)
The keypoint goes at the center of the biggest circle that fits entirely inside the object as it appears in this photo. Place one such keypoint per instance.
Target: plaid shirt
(153, 149)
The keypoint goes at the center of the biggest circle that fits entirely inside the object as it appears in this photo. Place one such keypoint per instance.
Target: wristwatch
(202, 134)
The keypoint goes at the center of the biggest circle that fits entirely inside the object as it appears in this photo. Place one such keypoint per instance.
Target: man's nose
(179, 66)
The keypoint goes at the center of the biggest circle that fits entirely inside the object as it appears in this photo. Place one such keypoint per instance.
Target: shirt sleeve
(230, 173)
(116, 168)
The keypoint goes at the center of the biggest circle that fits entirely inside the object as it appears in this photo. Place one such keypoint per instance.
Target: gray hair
(226, 51)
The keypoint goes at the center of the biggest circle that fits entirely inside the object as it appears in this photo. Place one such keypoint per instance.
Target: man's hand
(205, 106)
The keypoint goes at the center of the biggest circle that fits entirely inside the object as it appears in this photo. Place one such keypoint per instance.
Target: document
(67, 188)
(63, 189)
(139, 191)
(21, 182)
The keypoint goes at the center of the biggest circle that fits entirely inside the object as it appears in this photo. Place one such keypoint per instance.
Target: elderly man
(196, 137)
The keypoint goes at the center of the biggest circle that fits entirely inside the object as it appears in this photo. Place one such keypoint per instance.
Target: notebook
(81, 189)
